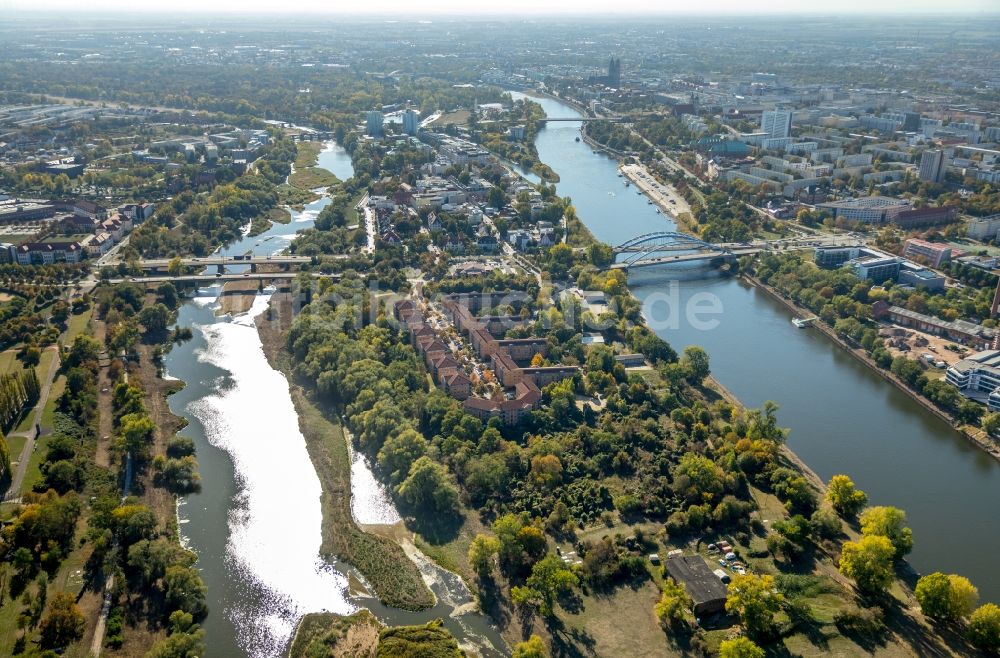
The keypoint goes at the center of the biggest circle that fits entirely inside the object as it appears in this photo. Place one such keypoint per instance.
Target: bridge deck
(163, 263)
(222, 278)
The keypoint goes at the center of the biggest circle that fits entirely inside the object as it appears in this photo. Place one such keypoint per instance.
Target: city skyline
(458, 9)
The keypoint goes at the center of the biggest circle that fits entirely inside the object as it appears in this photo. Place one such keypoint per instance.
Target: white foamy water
(370, 502)
(275, 524)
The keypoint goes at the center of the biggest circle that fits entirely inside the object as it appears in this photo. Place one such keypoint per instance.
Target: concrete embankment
(979, 439)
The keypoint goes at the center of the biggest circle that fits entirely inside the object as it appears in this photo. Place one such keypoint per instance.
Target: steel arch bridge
(648, 246)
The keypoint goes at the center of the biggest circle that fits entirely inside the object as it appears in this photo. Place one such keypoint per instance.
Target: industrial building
(707, 592)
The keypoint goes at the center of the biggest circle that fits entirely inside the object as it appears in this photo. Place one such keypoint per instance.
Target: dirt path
(102, 620)
(14, 492)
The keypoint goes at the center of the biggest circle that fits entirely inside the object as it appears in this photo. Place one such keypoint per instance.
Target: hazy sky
(514, 8)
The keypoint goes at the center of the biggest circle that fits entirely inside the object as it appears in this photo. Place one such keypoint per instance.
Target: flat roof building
(868, 210)
(877, 268)
(978, 376)
(933, 166)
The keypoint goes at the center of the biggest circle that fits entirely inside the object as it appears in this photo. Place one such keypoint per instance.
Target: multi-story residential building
(885, 124)
(776, 123)
(138, 212)
(373, 123)
(503, 354)
(983, 228)
(857, 160)
(99, 244)
(411, 122)
(933, 166)
(45, 253)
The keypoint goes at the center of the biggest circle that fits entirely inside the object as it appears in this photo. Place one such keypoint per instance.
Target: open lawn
(77, 325)
(352, 214)
(459, 117)
(33, 475)
(17, 239)
(9, 362)
(15, 444)
(41, 370)
(598, 628)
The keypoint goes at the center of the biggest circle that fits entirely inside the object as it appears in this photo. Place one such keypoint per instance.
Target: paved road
(14, 492)
(369, 223)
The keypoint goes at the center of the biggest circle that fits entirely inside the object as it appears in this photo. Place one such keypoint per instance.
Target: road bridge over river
(208, 279)
(668, 248)
(282, 262)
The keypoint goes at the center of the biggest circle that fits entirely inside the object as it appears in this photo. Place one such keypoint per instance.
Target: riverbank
(395, 579)
(572, 103)
(410, 587)
(981, 441)
(264, 222)
(814, 479)
(679, 211)
(597, 146)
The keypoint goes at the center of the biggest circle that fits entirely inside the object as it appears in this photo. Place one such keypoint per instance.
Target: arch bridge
(666, 247)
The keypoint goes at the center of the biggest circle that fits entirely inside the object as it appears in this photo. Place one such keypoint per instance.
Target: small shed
(707, 592)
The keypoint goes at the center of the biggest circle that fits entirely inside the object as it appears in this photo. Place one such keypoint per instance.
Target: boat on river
(802, 323)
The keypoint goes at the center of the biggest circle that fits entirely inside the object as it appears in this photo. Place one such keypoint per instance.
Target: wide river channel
(256, 523)
(843, 417)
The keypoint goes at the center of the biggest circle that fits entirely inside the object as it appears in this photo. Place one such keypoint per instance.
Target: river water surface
(843, 417)
(256, 524)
